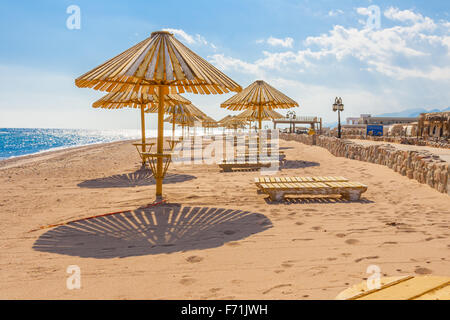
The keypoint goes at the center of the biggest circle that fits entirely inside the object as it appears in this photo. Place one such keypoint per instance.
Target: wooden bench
(246, 156)
(266, 180)
(229, 166)
(400, 288)
(349, 190)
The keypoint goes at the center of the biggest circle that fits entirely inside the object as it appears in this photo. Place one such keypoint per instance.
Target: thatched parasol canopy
(210, 122)
(259, 96)
(233, 122)
(160, 64)
(158, 60)
(118, 100)
(183, 110)
(252, 115)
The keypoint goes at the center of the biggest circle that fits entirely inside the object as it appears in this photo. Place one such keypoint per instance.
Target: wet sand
(216, 238)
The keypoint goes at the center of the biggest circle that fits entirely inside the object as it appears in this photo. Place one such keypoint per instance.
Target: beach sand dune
(216, 238)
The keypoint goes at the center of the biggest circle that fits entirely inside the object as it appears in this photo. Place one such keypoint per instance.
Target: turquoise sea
(18, 142)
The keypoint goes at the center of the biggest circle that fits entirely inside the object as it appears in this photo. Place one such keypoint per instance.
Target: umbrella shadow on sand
(139, 178)
(298, 164)
(148, 231)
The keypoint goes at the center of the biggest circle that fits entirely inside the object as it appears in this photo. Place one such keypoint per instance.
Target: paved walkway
(444, 154)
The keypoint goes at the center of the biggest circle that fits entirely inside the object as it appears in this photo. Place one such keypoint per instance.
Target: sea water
(19, 142)
(16, 142)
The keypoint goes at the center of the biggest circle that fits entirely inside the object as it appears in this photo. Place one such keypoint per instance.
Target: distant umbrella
(119, 100)
(259, 96)
(188, 110)
(253, 115)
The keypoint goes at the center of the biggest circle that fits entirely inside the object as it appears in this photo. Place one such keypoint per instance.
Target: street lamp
(291, 116)
(338, 106)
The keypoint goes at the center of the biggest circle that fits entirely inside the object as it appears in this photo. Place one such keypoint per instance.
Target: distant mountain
(411, 112)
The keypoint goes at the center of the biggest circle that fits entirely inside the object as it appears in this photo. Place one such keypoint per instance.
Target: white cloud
(399, 52)
(363, 11)
(286, 42)
(362, 64)
(402, 15)
(334, 13)
(182, 34)
(228, 63)
(191, 39)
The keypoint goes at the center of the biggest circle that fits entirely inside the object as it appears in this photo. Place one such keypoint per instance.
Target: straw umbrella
(187, 109)
(253, 115)
(233, 122)
(259, 96)
(163, 65)
(209, 123)
(186, 119)
(119, 100)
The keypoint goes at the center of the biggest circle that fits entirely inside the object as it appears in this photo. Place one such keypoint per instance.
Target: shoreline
(16, 161)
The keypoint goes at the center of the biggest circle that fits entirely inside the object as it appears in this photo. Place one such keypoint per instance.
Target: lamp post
(291, 116)
(338, 106)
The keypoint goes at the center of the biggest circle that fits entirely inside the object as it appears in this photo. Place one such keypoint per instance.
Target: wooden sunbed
(229, 166)
(266, 180)
(277, 190)
(401, 288)
(255, 155)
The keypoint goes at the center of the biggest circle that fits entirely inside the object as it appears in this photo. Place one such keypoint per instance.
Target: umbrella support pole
(159, 176)
(143, 132)
(173, 126)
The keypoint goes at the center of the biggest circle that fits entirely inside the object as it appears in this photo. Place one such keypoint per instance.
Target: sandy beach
(216, 238)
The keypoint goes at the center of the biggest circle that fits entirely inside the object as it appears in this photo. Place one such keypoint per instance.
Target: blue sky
(311, 50)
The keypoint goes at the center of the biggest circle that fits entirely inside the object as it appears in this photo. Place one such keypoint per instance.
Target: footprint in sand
(366, 258)
(287, 264)
(276, 287)
(316, 228)
(187, 281)
(233, 244)
(423, 271)
(389, 242)
(341, 235)
(346, 254)
(299, 223)
(331, 259)
(351, 241)
(194, 259)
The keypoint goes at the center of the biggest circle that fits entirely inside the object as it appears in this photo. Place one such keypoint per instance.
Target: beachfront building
(365, 119)
(315, 123)
(435, 124)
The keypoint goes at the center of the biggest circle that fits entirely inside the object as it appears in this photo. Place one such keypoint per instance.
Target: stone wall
(437, 143)
(422, 166)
